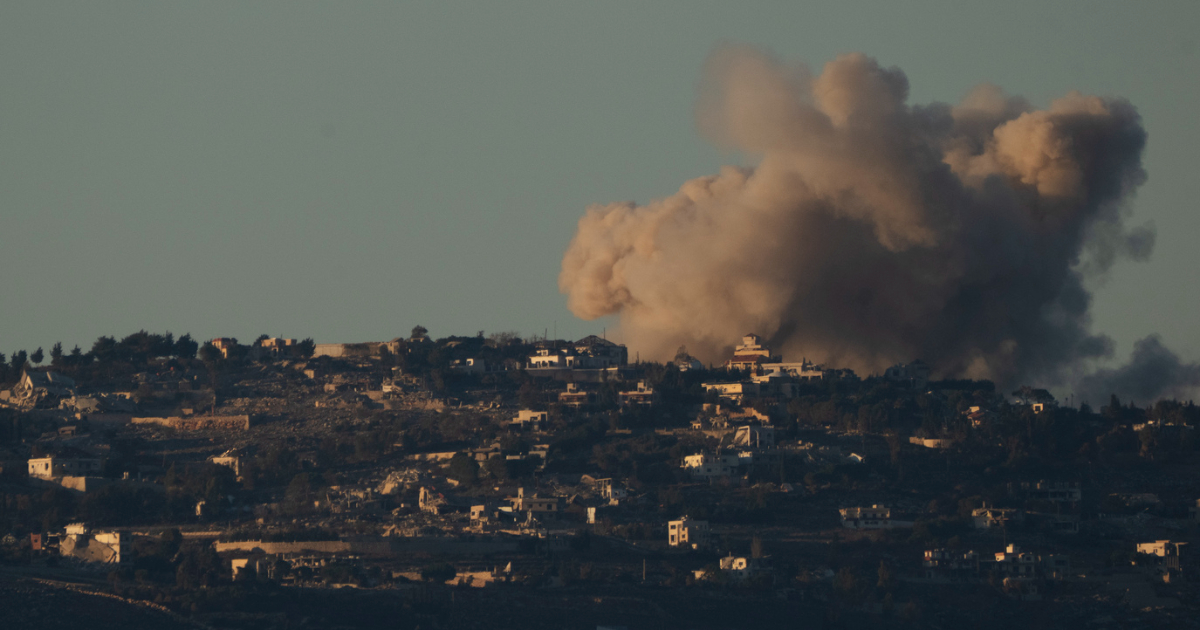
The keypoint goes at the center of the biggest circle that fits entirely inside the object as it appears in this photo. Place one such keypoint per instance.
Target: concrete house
(749, 354)
(534, 505)
(915, 374)
(575, 396)
(686, 532)
(75, 465)
(530, 419)
(734, 392)
(643, 396)
(709, 466)
(874, 517)
(754, 436)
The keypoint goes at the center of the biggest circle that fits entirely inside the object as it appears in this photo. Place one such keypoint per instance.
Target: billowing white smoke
(872, 231)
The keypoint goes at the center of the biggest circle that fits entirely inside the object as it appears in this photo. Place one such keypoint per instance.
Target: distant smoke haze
(873, 231)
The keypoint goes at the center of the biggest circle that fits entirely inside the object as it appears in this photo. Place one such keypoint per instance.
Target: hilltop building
(750, 354)
(589, 353)
(915, 374)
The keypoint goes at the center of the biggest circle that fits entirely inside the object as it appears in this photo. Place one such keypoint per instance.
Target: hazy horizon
(348, 172)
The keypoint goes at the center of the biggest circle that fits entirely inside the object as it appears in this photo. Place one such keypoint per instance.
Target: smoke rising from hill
(872, 231)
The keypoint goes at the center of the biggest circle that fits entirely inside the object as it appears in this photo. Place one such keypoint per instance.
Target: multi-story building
(686, 532)
(708, 466)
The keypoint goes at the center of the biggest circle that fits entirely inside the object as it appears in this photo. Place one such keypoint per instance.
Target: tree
(18, 360)
(199, 566)
(885, 576)
(37, 355)
(440, 572)
(56, 354)
(104, 349)
(846, 584)
(503, 339)
(463, 469)
(419, 332)
(165, 345)
(497, 467)
(305, 348)
(299, 492)
(186, 347)
(209, 353)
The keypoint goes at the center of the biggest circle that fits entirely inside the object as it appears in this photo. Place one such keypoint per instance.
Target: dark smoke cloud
(874, 231)
(1153, 372)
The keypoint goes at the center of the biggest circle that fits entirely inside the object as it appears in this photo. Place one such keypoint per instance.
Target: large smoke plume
(872, 231)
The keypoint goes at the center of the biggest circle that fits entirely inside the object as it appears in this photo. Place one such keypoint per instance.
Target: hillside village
(495, 481)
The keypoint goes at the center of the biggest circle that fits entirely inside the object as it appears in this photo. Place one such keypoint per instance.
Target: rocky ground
(48, 605)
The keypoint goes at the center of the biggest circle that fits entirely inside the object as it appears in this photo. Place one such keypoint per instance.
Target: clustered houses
(537, 463)
(589, 353)
(767, 375)
(39, 390)
(78, 543)
(989, 517)
(1010, 563)
(1167, 558)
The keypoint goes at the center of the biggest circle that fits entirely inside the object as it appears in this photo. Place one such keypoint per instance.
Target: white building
(735, 392)
(546, 358)
(805, 370)
(589, 353)
(54, 466)
(776, 384)
(749, 354)
(708, 466)
(611, 491)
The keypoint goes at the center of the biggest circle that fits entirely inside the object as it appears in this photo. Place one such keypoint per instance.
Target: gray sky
(344, 171)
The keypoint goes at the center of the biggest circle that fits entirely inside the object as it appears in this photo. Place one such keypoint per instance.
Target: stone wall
(199, 423)
(382, 547)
